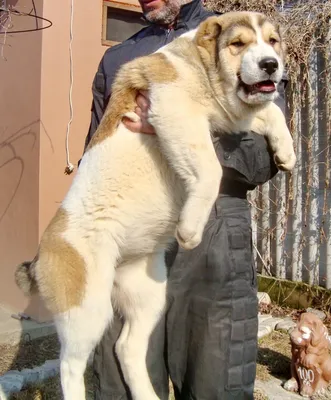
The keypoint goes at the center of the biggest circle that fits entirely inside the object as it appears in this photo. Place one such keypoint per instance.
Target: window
(121, 19)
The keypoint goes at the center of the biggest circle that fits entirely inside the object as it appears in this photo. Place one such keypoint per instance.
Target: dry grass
(36, 352)
(278, 311)
(274, 356)
(273, 359)
(50, 390)
(260, 395)
(29, 354)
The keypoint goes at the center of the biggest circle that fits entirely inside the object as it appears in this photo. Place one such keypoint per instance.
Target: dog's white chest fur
(125, 179)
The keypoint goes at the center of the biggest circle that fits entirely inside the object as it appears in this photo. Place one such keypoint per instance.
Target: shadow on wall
(10, 158)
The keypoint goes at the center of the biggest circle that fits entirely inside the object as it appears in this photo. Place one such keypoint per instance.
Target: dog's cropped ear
(208, 30)
(207, 34)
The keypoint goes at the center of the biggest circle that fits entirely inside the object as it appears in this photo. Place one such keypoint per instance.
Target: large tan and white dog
(133, 193)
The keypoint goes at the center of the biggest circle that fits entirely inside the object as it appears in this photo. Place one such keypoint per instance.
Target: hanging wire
(70, 167)
(9, 12)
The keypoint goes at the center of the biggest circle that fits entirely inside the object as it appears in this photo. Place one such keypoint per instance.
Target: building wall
(19, 150)
(87, 52)
(34, 111)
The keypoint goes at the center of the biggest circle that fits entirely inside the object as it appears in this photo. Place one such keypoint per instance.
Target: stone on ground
(285, 325)
(267, 324)
(264, 298)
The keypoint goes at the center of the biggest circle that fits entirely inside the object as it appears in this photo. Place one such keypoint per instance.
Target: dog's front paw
(187, 237)
(285, 159)
(291, 385)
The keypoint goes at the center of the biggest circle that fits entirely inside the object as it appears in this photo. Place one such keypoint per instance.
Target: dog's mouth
(266, 87)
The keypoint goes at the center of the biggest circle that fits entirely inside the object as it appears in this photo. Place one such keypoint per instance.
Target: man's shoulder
(144, 35)
(210, 13)
(128, 43)
(144, 42)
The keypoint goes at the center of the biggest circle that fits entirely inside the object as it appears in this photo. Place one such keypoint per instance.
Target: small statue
(311, 361)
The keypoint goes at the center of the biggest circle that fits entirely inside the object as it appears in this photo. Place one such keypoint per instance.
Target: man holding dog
(208, 344)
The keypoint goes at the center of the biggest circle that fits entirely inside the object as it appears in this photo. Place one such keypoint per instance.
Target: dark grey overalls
(208, 343)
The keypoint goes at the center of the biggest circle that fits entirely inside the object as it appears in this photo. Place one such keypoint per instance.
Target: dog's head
(310, 331)
(246, 52)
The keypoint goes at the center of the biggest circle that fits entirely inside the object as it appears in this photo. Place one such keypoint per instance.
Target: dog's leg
(79, 330)
(184, 135)
(140, 295)
(271, 123)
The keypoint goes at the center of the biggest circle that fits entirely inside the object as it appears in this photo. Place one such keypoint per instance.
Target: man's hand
(142, 108)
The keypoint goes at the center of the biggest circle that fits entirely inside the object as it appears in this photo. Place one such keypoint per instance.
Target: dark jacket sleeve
(245, 157)
(98, 103)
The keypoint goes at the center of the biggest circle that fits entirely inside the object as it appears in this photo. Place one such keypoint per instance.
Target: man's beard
(167, 14)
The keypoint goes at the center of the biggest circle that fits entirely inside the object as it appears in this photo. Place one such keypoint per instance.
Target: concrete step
(274, 390)
(13, 331)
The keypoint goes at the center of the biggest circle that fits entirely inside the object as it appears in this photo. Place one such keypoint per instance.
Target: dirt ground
(51, 390)
(273, 359)
(36, 352)
(29, 354)
(274, 356)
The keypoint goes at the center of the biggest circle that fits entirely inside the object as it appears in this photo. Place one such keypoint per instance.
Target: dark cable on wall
(35, 13)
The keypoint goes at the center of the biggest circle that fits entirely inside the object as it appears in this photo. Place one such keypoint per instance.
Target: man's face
(162, 12)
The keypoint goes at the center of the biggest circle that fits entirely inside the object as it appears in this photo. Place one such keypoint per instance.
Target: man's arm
(247, 158)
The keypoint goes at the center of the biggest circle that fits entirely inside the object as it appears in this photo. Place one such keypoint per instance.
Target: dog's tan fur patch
(60, 269)
(136, 75)
(270, 31)
(206, 40)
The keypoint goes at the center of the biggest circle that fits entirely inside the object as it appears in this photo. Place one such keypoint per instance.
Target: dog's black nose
(269, 65)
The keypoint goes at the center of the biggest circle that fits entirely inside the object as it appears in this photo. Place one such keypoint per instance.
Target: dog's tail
(25, 277)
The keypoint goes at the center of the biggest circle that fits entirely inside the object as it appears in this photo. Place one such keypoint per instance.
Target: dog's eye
(237, 43)
(273, 41)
